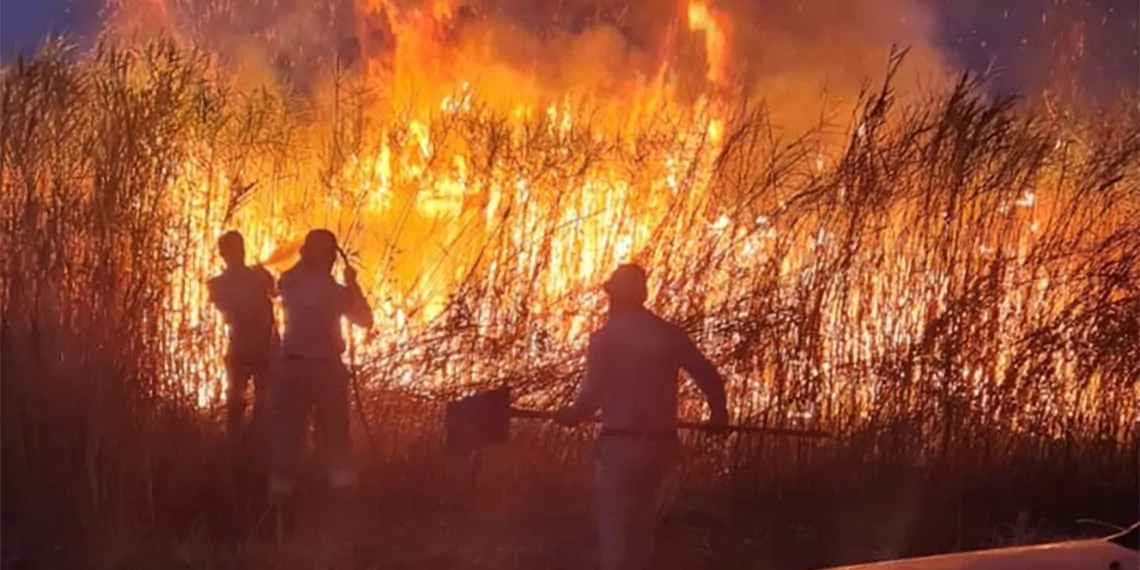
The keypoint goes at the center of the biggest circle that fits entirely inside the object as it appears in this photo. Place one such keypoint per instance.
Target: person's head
(319, 249)
(231, 246)
(627, 287)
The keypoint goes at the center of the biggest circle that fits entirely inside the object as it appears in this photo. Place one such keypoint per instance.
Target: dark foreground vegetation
(1001, 410)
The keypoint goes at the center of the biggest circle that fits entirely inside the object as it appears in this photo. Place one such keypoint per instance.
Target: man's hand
(567, 416)
(212, 290)
(349, 275)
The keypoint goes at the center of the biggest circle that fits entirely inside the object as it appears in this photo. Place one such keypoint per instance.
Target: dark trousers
(304, 388)
(240, 371)
(629, 479)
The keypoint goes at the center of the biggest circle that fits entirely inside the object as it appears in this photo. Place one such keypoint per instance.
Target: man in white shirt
(244, 295)
(309, 376)
(632, 366)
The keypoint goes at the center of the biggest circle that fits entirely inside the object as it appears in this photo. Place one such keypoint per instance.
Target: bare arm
(216, 297)
(704, 373)
(270, 282)
(356, 306)
(589, 398)
(212, 290)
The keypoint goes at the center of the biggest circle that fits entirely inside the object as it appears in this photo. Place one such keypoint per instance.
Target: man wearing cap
(309, 376)
(632, 366)
(244, 295)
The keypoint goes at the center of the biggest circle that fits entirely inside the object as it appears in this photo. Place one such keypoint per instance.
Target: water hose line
(354, 377)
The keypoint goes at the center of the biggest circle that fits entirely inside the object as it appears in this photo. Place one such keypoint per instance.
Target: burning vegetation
(912, 270)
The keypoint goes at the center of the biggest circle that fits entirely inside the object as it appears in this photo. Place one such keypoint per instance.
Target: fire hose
(353, 375)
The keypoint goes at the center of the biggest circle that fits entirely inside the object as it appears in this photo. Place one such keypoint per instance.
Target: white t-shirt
(313, 304)
(244, 295)
(632, 367)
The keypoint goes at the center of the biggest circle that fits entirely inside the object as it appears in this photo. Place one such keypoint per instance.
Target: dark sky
(23, 23)
(1029, 41)
(1033, 42)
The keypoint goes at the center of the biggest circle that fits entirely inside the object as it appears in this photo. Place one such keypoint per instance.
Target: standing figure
(309, 377)
(632, 366)
(244, 295)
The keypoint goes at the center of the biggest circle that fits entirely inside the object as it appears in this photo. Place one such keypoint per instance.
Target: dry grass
(975, 358)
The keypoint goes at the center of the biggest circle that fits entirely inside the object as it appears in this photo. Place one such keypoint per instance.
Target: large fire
(470, 177)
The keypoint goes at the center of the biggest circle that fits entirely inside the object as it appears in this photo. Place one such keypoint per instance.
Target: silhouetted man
(309, 377)
(632, 366)
(244, 295)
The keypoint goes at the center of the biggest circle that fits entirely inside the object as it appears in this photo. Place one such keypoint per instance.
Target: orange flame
(715, 25)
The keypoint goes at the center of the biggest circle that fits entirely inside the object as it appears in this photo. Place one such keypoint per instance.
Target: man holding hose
(309, 376)
(631, 376)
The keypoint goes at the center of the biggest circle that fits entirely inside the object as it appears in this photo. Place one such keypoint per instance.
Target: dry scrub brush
(98, 436)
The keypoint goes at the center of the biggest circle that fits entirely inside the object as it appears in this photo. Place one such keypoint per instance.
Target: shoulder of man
(678, 332)
(600, 338)
(622, 332)
(664, 330)
(214, 287)
(261, 272)
(220, 281)
(287, 277)
(650, 323)
(597, 347)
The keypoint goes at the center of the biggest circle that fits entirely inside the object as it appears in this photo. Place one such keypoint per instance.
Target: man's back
(313, 303)
(633, 365)
(244, 296)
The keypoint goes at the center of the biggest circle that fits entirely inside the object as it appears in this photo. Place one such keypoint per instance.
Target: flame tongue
(715, 25)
